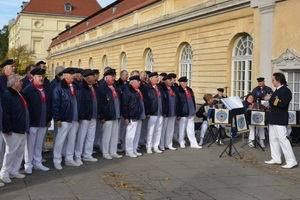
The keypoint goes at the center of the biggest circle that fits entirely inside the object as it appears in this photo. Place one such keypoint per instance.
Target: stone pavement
(183, 174)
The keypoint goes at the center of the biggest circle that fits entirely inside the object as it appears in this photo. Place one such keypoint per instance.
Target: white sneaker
(116, 156)
(78, 161)
(172, 148)
(196, 147)
(182, 146)
(131, 155)
(156, 150)
(71, 163)
(28, 171)
(89, 159)
(5, 180)
(41, 168)
(2, 184)
(272, 162)
(149, 151)
(18, 175)
(250, 144)
(137, 153)
(108, 157)
(289, 166)
(58, 166)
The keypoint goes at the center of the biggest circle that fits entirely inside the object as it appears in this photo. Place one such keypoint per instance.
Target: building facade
(215, 43)
(41, 20)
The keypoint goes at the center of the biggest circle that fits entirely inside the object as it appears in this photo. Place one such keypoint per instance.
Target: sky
(10, 8)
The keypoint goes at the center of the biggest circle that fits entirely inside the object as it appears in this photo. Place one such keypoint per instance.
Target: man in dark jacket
(65, 111)
(58, 77)
(109, 105)
(185, 111)
(133, 111)
(15, 125)
(153, 107)
(28, 78)
(89, 115)
(169, 113)
(41, 64)
(279, 102)
(261, 90)
(8, 68)
(39, 101)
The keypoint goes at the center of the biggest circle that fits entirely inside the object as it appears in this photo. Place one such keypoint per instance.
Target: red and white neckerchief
(155, 88)
(41, 89)
(139, 91)
(71, 87)
(113, 90)
(24, 101)
(6, 75)
(170, 90)
(188, 94)
(93, 91)
(29, 78)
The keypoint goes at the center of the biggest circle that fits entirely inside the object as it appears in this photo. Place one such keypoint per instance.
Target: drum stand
(256, 142)
(229, 147)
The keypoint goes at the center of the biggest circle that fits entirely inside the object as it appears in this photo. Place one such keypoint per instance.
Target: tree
(22, 56)
(3, 42)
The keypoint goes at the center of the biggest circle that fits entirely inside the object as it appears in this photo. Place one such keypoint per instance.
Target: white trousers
(133, 132)
(122, 132)
(33, 146)
(167, 132)
(154, 131)
(66, 132)
(289, 130)
(204, 127)
(110, 137)
(98, 134)
(85, 138)
(278, 142)
(2, 148)
(259, 130)
(176, 130)
(14, 153)
(186, 124)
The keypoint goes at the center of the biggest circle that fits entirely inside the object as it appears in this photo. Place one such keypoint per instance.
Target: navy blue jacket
(279, 111)
(86, 101)
(200, 112)
(26, 82)
(3, 84)
(131, 105)
(14, 112)
(261, 94)
(150, 99)
(54, 83)
(62, 109)
(106, 102)
(182, 101)
(33, 98)
(165, 99)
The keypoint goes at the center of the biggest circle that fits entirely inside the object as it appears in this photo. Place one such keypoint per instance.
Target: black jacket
(3, 84)
(54, 83)
(150, 99)
(26, 82)
(62, 109)
(279, 108)
(87, 101)
(201, 110)
(165, 99)
(131, 106)
(34, 101)
(106, 102)
(14, 112)
(182, 102)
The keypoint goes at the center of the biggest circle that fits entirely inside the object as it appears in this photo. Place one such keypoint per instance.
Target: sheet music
(232, 102)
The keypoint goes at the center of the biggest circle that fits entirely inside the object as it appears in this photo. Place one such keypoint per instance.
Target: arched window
(123, 61)
(186, 62)
(91, 64)
(242, 66)
(105, 61)
(71, 63)
(149, 61)
(79, 63)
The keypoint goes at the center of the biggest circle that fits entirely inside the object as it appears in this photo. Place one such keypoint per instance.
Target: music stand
(210, 134)
(256, 142)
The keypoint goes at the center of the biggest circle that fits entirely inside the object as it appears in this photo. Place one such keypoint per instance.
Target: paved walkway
(183, 174)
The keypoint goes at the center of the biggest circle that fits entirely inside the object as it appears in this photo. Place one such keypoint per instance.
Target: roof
(105, 15)
(79, 7)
